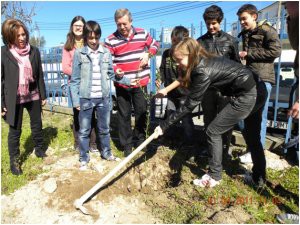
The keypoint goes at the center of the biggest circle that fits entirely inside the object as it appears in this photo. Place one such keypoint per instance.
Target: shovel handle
(97, 186)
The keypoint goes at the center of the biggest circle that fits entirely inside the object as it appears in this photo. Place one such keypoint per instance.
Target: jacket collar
(218, 34)
(85, 49)
(258, 26)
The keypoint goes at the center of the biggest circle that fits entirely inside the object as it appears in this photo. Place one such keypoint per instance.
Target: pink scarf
(25, 69)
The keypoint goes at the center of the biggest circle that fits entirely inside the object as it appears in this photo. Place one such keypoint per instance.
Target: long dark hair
(194, 51)
(69, 45)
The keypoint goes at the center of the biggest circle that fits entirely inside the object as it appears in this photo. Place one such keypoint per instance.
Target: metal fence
(56, 81)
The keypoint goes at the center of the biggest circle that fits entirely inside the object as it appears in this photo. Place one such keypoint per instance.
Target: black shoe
(40, 154)
(203, 154)
(138, 143)
(127, 152)
(15, 168)
(260, 183)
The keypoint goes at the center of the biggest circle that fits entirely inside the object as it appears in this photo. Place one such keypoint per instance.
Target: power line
(134, 14)
(138, 16)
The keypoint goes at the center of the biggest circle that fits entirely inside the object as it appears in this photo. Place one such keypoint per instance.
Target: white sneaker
(113, 158)
(83, 165)
(206, 181)
(246, 158)
(288, 218)
(94, 150)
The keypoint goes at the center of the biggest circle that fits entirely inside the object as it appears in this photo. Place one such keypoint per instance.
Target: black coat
(228, 76)
(10, 80)
(221, 44)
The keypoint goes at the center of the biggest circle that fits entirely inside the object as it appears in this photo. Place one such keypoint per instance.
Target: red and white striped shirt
(126, 53)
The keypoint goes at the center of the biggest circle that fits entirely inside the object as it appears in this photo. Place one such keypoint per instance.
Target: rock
(50, 185)
(275, 162)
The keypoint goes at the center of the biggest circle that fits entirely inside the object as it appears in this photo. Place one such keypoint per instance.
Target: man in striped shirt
(131, 49)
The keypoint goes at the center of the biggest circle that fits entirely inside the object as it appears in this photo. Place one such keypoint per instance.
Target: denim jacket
(82, 70)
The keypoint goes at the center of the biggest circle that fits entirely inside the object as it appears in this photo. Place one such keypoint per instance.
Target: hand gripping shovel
(79, 202)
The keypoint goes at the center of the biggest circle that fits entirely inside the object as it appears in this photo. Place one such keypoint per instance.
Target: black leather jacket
(221, 44)
(231, 78)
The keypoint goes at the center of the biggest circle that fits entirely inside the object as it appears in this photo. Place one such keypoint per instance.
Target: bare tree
(14, 9)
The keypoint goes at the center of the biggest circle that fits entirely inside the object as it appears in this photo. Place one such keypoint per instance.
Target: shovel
(79, 202)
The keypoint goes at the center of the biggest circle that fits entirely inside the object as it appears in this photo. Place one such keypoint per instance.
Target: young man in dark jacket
(219, 43)
(261, 46)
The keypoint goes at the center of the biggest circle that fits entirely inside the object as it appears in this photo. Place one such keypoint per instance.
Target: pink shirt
(67, 61)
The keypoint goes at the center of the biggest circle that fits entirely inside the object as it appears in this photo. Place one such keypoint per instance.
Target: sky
(54, 17)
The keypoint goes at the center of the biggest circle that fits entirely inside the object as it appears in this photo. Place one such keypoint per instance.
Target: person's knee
(209, 133)
(104, 131)
(14, 133)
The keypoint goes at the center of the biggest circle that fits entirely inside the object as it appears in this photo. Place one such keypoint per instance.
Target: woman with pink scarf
(22, 86)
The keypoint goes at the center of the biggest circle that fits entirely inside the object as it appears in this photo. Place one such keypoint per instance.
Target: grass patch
(189, 204)
(57, 135)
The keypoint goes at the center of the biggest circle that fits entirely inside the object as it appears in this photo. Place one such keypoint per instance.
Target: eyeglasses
(78, 26)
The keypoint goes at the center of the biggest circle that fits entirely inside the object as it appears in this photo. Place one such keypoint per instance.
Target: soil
(50, 197)
(120, 201)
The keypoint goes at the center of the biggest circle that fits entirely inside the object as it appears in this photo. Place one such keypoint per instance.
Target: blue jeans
(102, 109)
(264, 118)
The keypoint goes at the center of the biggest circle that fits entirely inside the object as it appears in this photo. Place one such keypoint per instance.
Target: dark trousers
(76, 128)
(187, 121)
(213, 102)
(126, 98)
(14, 134)
(249, 107)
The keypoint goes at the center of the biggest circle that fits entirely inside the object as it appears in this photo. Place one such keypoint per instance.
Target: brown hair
(249, 8)
(69, 45)
(10, 29)
(194, 50)
(123, 12)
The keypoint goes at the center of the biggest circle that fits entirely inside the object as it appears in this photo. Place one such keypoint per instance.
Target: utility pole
(278, 17)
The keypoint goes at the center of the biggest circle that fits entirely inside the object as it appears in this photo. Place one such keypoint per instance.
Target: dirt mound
(147, 173)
